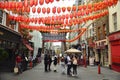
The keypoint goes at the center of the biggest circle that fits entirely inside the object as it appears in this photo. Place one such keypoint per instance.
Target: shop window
(115, 21)
(104, 30)
(1, 16)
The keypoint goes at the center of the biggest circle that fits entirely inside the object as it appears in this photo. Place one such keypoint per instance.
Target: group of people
(68, 62)
(47, 62)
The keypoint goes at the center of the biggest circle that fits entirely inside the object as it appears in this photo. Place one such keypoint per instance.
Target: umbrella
(72, 50)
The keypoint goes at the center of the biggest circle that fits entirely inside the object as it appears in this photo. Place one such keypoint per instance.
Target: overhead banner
(54, 37)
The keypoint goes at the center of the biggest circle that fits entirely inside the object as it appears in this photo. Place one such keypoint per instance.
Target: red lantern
(54, 10)
(89, 6)
(74, 8)
(71, 15)
(67, 16)
(31, 2)
(23, 9)
(47, 1)
(41, 2)
(48, 10)
(58, 10)
(38, 9)
(84, 7)
(35, 2)
(79, 13)
(28, 9)
(51, 1)
(13, 4)
(20, 5)
(26, 3)
(69, 9)
(44, 10)
(6, 4)
(63, 9)
(79, 7)
(34, 9)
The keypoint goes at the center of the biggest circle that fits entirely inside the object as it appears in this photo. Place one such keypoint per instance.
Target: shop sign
(114, 37)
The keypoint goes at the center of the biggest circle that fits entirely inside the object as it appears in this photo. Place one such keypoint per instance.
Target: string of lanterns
(61, 21)
(25, 6)
(69, 23)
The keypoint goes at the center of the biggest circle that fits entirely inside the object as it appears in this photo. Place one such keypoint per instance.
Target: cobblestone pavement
(37, 73)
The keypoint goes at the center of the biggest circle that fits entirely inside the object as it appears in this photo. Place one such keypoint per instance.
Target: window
(115, 21)
(1, 16)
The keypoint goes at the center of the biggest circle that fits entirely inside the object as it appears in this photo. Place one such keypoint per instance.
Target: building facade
(114, 37)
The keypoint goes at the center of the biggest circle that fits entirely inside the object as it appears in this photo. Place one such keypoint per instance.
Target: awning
(26, 43)
(29, 47)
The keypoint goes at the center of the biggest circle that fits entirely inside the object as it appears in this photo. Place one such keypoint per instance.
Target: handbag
(16, 69)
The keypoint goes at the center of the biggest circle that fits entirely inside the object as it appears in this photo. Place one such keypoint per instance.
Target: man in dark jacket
(46, 62)
(49, 62)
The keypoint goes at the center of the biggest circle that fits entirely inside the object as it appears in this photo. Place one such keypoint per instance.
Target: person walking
(55, 63)
(46, 62)
(69, 65)
(19, 63)
(63, 64)
(74, 66)
(49, 62)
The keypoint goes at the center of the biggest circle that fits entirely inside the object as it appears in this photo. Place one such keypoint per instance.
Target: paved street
(37, 73)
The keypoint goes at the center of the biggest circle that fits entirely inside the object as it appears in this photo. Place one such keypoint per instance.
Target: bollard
(99, 70)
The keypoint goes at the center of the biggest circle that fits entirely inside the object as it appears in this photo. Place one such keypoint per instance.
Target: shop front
(102, 52)
(9, 42)
(114, 39)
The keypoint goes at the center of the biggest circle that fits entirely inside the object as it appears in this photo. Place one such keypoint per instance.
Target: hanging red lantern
(43, 10)
(13, 4)
(89, 6)
(38, 9)
(66, 21)
(63, 9)
(68, 9)
(28, 9)
(58, 10)
(34, 9)
(41, 2)
(79, 13)
(84, 7)
(47, 1)
(67, 16)
(26, 3)
(20, 5)
(23, 9)
(74, 8)
(48, 10)
(31, 2)
(6, 4)
(54, 10)
(71, 15)
(35, 2)
(63, 16)
(80, 7)
(75, 14)
(51, 1)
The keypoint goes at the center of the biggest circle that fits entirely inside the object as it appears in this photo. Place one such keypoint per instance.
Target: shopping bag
(16, 70)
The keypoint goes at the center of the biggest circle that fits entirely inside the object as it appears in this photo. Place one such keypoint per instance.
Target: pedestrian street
(37, 73)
